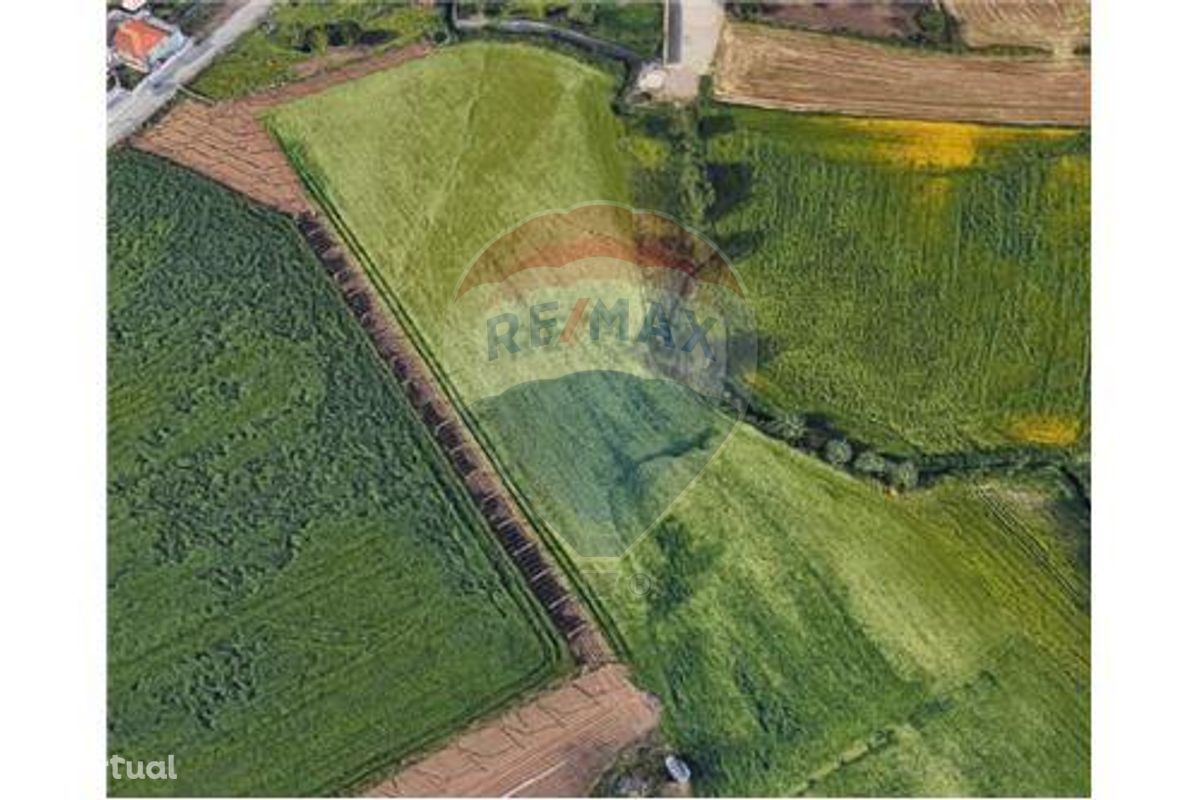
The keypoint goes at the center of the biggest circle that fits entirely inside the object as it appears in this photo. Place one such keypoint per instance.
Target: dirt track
(557, 745)
(759, 65)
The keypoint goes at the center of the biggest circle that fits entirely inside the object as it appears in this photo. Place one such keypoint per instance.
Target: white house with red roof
(144, 42)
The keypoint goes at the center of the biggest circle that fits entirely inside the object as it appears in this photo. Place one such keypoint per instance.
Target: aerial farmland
(463, 373)
(303, 531)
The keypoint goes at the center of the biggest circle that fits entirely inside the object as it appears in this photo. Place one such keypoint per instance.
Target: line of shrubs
(817, 437)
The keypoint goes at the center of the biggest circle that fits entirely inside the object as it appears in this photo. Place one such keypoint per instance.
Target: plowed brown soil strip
(557, 745)
(227, 142)
(759, 65)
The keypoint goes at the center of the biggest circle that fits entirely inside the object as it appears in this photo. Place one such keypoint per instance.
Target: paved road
(129, 111)
(693, 30)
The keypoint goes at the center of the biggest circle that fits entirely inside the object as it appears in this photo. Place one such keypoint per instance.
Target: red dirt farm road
(557, 745)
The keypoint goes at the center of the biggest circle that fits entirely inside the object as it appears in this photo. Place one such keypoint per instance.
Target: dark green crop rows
(296, 596)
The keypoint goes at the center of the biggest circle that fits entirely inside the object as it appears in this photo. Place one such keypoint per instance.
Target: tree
(934, 25)
(904, 476)
(838, 452)
(871, 463)
(790, 428)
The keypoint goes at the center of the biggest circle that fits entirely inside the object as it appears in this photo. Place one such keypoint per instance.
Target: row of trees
(838, 451)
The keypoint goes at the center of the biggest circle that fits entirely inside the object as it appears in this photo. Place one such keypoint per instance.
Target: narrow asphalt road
(127, 113)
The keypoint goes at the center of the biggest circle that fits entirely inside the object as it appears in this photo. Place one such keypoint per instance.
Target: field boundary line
(231, 142)
(594, 649)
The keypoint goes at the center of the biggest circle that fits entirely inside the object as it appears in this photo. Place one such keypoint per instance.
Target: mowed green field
(428, 163)
(424, 166)
(810, 634)
(299, 593)
(925, 285)
(795, 620)
(793, 617)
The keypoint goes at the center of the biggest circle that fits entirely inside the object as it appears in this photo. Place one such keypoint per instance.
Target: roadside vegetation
(296, 32)
(298, 593)
(634, 24)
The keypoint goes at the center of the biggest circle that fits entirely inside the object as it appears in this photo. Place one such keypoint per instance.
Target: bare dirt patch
(1059, 26)
(556, 745)
(226, 141)
(802, 71)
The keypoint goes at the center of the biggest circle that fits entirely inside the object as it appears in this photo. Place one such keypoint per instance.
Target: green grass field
(299, 594)
(428, 163)
(806, 632)
(924, 285)
(796, 616)
(298, 31)
(938, 643)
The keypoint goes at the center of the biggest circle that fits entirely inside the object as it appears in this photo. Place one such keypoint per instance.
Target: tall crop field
(925, 285)
(298, 593)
